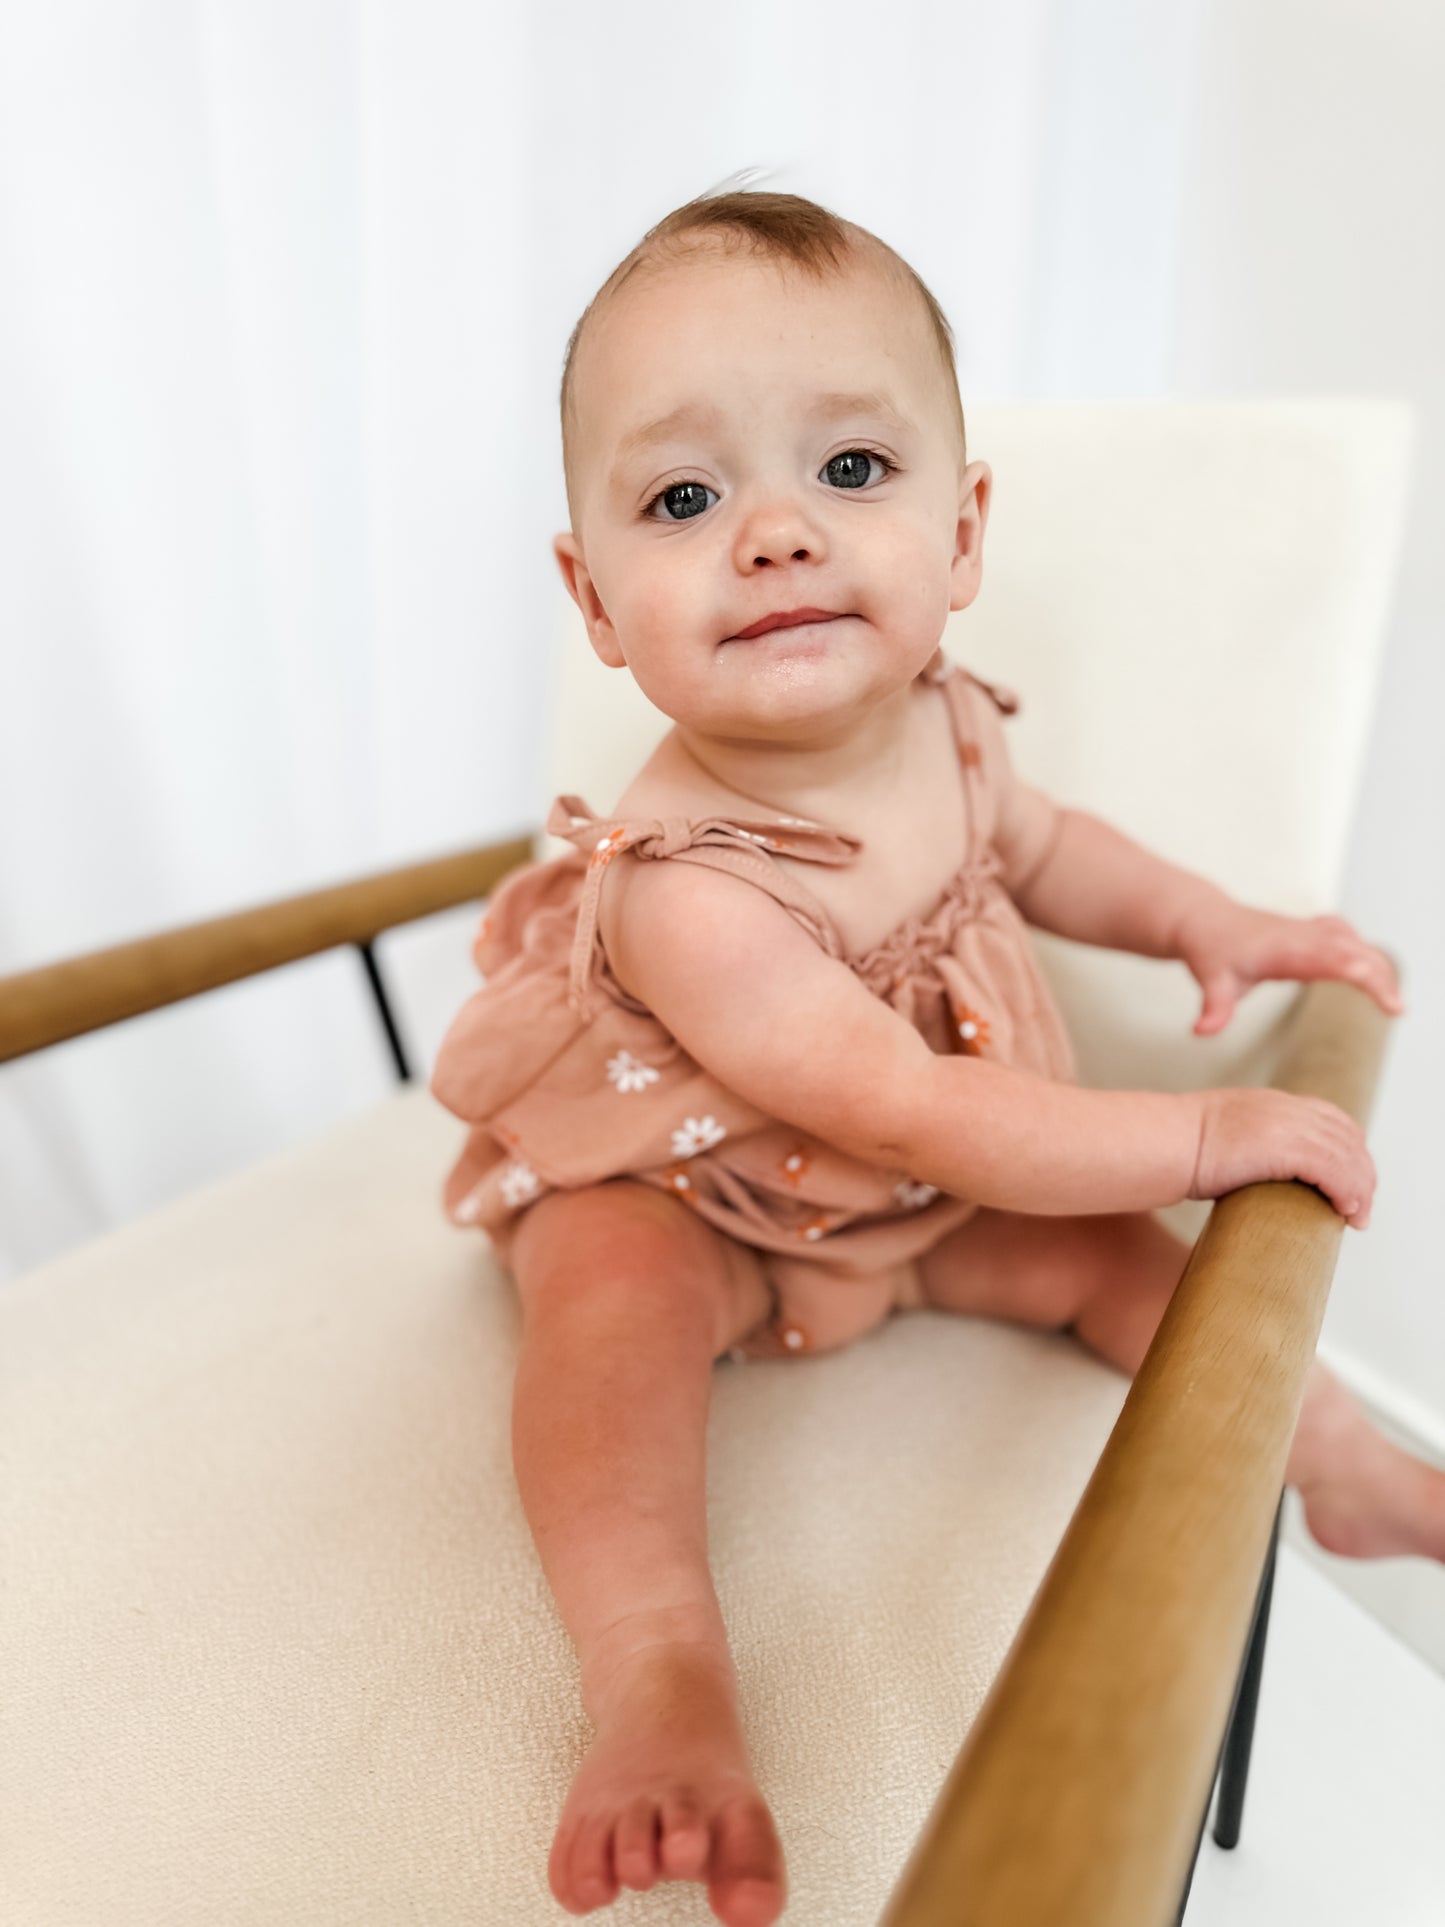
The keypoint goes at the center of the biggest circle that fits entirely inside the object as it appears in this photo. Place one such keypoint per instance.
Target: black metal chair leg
(1234, 1774)
(1232, 1770)
(383, 1010)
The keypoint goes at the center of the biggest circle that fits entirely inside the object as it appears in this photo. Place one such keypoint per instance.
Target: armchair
(285, 1649)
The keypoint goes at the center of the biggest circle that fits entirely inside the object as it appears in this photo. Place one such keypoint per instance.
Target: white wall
(283, 296)
(1313, 263)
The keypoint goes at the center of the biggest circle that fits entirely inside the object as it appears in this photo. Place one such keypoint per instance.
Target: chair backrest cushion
(1190, 599)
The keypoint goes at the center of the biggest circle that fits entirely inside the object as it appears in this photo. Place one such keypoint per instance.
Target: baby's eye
(850, 469)
(681, 500)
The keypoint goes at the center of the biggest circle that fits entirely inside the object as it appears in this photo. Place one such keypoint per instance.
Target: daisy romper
(566, 1080)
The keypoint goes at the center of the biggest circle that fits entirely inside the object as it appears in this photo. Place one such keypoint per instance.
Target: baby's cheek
(668, 626)
(913, 577)
(651, 619)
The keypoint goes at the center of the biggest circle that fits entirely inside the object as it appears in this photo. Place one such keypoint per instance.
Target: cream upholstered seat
(277, 1642)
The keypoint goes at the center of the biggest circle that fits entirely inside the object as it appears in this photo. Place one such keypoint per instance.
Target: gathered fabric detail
(914, 956)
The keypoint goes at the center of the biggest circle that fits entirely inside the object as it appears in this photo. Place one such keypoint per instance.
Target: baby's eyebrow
(866, 402)
(690, 414)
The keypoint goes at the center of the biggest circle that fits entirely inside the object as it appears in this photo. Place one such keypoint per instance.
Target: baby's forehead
(650, 324)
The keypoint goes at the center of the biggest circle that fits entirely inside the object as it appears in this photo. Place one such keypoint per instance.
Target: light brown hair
(781, 227)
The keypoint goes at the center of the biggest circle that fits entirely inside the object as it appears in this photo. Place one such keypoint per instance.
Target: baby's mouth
(792, 619)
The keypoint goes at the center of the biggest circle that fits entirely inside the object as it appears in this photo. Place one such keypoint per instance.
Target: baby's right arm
(751, 997)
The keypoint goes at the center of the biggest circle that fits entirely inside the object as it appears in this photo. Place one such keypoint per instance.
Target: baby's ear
(974, 495)
(583, 591)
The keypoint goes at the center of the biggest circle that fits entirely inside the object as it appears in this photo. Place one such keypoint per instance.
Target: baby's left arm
(1099, 886)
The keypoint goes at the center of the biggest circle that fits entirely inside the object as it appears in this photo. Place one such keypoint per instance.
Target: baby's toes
(587, 1879)
(747, 1887)
(559, 1864)
(634, 1848)
(684, 1837)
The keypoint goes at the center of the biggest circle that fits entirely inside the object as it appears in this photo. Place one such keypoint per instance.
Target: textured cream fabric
(277, 1645)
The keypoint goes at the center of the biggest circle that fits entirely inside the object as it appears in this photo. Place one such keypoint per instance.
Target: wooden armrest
(60, 1000)
(1079, 1791)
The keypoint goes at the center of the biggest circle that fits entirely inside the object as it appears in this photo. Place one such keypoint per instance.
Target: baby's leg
(1108, 1278)
(628, 1299)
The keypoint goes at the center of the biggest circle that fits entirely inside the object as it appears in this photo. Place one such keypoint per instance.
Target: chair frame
(1082, 1790)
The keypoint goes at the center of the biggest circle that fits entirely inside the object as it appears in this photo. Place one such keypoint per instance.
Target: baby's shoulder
(697, 873)
(682, 907)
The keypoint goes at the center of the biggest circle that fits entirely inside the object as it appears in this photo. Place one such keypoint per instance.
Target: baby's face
(754, 442)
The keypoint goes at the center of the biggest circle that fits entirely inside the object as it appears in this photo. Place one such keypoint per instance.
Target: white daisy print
(629, 1073)
(914, 1196)
(696, 1134)
(470, 1208)
(520, 1183)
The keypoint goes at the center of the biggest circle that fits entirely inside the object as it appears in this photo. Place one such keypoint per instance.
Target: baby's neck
(802, 778)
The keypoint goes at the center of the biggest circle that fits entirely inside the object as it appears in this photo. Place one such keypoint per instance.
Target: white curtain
(284, 290)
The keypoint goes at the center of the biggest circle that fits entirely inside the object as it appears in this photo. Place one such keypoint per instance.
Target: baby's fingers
(1345, 1171)
(1374, 972)
(1345, 955)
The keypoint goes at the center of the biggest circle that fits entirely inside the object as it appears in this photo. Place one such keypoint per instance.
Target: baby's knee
(632, 1247)
(1115, 1258)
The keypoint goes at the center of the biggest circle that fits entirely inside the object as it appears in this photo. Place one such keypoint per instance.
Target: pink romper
(566, 1080)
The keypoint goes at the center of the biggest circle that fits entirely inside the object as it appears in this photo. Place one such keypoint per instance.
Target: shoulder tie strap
(1003, 699)
(960, 689)
(942, 669)
(734, 844)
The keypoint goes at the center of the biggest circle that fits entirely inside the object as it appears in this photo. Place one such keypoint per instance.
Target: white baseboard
(1418, 1424)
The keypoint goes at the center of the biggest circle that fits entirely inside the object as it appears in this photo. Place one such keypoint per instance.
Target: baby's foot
(665, 1792)
(1364, 1497)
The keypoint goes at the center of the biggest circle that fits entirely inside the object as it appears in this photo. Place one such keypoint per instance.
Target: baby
(767, 1057)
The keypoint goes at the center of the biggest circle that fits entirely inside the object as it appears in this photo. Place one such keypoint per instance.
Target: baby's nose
(779, 533)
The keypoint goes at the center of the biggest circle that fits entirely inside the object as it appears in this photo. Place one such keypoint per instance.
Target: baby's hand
(1252, 1136)
(1229, 947)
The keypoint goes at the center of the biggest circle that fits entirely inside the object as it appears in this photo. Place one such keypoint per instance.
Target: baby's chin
(792, 685)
